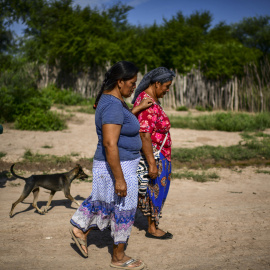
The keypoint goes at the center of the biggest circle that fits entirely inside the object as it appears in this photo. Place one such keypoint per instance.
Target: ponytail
(105, 85)
(99, 95)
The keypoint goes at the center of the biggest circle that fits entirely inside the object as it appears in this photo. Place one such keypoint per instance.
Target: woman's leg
(125, 207)
(124, 215)
(92, 211)
(119, 257)
(152, 228)
(80, 234)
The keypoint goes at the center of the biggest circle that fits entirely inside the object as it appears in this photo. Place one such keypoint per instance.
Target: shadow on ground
(67, 203)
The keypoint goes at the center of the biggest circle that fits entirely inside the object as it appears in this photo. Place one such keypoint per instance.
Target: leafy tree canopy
(254, 32)
(74, 38)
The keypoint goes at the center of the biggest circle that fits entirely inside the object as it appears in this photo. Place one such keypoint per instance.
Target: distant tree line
(79, 40)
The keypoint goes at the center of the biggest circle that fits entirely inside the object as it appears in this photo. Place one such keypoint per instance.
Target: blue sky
(146, 12)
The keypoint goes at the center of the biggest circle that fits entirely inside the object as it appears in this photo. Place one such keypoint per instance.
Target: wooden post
(235, 94)
(181, 88)
(260, 87)
(232, 96)
(185, 88)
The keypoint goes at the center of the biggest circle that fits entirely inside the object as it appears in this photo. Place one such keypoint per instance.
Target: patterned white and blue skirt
(103, 208)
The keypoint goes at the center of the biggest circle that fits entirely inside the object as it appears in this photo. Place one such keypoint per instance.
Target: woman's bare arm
(111, 133)
(148, 152)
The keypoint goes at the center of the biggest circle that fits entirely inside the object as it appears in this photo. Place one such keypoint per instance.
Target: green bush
(66, 97)
(223, 121)
(36, 157)
(20, 101)
(200, 108)
(182, 108)
(18, 91)
(203, 109)
(32, 104)
(196, 176)
(86, 109)
(209, 108)
(250, 148)
(233, 122)
(7, 112)
(2, 154)
(40, 120)
(263, 171)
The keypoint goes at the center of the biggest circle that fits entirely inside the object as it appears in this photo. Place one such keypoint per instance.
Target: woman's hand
(148, 152)
(144, 104)
(153, 171)
(121, 188)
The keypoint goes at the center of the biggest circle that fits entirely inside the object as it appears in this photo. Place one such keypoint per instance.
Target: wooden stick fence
(250, 93)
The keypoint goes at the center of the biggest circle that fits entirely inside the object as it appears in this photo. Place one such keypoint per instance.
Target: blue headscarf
(160, 74)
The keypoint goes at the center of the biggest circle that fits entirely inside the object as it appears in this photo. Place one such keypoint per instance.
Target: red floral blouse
(155, 121)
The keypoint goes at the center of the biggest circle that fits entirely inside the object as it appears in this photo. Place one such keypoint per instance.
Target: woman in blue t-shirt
(114, 196)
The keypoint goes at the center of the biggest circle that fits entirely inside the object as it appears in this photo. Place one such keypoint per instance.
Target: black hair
(122, 70)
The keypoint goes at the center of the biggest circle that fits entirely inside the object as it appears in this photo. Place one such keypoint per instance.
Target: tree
(6, 41)
(221, 33)
(183, 39)
(254, 32)
(118, 15)
(16, 10)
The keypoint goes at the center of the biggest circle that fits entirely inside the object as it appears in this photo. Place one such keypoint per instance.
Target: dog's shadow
(30, 207)
(66, 202)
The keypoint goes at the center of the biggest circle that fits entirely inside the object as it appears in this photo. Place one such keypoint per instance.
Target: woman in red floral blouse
(154, 129)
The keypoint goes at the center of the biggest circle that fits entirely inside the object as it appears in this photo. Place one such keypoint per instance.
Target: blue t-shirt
(110, 110)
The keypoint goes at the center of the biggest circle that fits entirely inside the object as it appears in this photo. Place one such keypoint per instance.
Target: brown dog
(52, 182)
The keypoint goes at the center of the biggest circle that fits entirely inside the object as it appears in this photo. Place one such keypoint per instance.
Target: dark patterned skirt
(151, 204)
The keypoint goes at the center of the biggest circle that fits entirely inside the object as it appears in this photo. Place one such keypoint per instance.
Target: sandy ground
(80, 138)
(216, 225)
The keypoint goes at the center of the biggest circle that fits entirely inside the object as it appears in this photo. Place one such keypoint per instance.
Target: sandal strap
(127, 263)
(82, 242)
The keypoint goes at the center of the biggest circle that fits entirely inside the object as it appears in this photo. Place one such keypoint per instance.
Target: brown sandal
(79, 242)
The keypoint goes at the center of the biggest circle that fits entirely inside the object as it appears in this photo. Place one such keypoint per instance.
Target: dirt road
(216, 225)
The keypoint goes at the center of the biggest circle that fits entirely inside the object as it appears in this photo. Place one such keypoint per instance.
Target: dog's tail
(14, 174)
